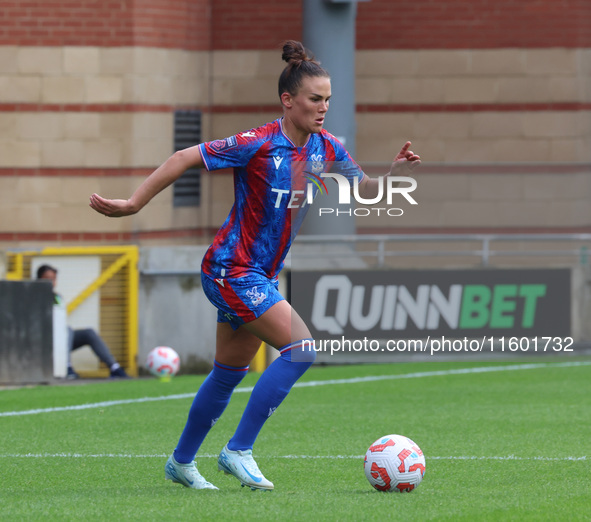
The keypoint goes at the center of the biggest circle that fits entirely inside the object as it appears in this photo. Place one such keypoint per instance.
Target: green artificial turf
(511, 444)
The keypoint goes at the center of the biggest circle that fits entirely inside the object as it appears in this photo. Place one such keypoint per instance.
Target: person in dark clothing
(82, 337)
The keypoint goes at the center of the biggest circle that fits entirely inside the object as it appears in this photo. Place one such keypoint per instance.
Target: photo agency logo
(309, 180)
(311, 184)
(389, 189)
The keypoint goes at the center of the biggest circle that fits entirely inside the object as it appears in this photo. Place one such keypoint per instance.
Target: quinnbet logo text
(479, 302)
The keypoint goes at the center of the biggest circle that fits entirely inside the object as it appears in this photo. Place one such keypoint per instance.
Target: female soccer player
(239, 270)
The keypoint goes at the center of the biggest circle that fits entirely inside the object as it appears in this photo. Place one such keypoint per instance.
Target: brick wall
(421, 24)
(236, 24)
(263, 24)
(182, 24)
(89, 89)
(473, 24)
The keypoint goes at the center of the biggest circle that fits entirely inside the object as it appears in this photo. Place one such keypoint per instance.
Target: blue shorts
(242, 299)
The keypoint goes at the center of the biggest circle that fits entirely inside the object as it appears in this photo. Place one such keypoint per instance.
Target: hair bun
(294, 52)
(300, 64)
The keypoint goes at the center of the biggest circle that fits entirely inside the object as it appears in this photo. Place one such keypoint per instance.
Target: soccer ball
(394, 463)
(163, 361)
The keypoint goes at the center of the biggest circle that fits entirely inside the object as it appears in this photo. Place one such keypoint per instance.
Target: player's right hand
(111, 207)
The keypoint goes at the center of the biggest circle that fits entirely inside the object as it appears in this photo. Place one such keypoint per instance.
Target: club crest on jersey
(220, 145)
(317, 163)
(256, 297)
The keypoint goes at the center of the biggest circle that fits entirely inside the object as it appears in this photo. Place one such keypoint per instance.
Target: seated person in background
(83, 337)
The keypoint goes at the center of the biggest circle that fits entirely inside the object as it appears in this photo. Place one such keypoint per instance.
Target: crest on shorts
(256, 297)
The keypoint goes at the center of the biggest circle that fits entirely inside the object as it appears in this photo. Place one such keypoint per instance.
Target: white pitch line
(294, 457)
(307, 384)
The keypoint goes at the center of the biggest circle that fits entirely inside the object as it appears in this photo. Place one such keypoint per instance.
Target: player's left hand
(405, 161)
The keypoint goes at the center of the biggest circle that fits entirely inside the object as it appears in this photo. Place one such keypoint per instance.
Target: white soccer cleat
(244, 468)
(185, 474)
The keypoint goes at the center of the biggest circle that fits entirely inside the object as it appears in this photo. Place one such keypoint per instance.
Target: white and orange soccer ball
(394, 463)
(163, 362)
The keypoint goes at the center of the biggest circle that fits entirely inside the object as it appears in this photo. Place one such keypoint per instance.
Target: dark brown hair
(300, 63)
(43, 269)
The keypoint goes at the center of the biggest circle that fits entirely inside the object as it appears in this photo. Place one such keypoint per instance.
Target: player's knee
(308, 352)
(300, 351)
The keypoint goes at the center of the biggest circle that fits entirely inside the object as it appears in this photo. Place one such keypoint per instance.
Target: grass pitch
(503, 441)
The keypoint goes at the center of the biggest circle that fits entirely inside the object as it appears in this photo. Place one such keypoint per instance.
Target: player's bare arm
(403, 165)
(162, 177)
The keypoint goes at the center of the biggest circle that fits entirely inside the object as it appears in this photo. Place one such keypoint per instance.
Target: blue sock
(270, 390)
(209, 403)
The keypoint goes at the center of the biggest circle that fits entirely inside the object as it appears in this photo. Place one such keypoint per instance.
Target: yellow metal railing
(259, 362)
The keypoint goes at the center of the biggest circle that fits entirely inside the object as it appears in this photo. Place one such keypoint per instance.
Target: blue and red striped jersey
(256, 236)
